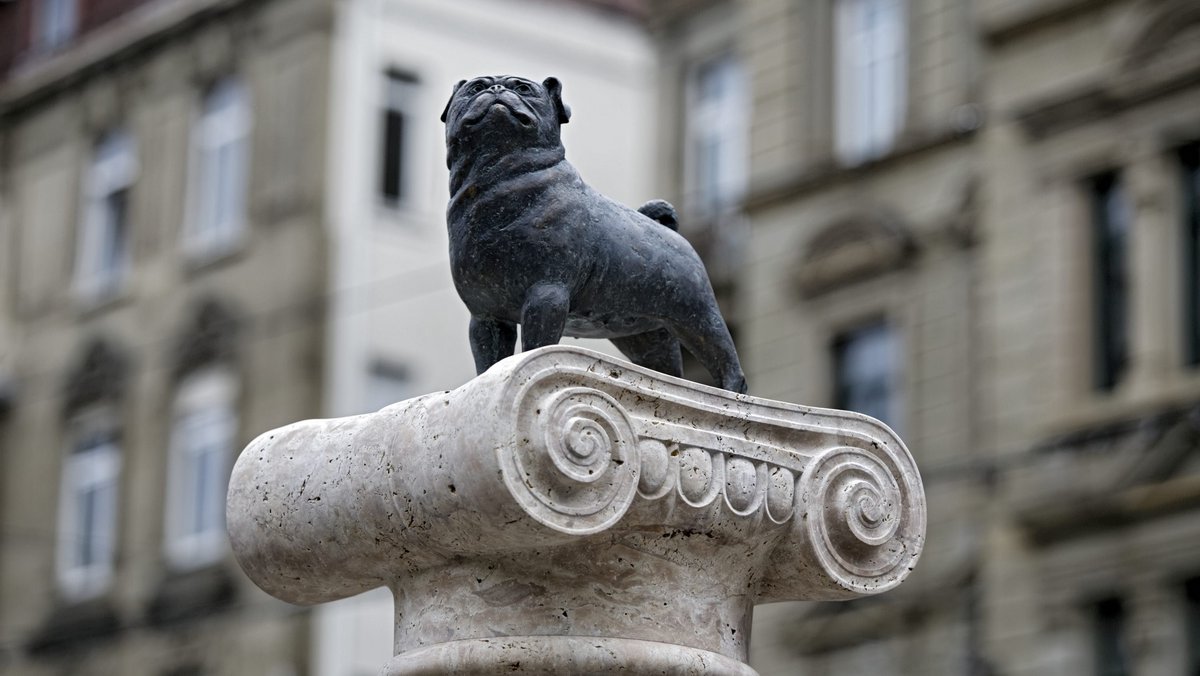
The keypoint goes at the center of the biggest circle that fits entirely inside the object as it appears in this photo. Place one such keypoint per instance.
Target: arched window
(203, 431)
(90, 481)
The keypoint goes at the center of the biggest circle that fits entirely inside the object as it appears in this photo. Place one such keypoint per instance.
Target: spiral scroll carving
(575, 467)
(865, 524)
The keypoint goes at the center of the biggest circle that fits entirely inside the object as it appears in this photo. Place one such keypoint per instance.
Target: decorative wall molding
(100, 376)
(211, 336)
(858, 246)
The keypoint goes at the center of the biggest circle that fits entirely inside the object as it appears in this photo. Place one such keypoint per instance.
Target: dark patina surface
(532, 244)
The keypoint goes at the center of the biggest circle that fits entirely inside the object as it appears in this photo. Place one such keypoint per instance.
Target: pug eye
(523, 88)
(475, 87)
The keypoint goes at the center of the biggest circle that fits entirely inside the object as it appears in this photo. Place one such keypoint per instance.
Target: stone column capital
(565, 493)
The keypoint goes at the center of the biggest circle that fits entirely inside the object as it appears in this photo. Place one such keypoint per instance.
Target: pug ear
(447, 108)
(554, 88)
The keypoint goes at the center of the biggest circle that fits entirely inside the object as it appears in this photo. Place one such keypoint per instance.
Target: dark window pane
(865, 372)
(88, 553)
(1111, 217)
(1108, 619)
(117, 207)
(398, 94)
(393, 155)
(1190, 160)
(1192, 598)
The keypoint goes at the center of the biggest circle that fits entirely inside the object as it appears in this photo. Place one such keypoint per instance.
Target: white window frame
(387, 382)
(103, 252)
(400, 93)
(56, 23)
(870, 78)
(219, 171)
(204, 426)
(889, 350)
(91, 465)
(722, 121)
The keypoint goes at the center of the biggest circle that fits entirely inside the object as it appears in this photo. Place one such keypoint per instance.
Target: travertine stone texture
(568, 512)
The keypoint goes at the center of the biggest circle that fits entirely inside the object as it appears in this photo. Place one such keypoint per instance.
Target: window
(204, 429)
(870, 79)
(1190, 161)
(220, 152)
(1191, 589)
(715, 174)
(1111, 219)
(866, 372)
(54, 23)
(102, 254)
(1108, 626)
(399, 99)
(87, 512)
(387, 383)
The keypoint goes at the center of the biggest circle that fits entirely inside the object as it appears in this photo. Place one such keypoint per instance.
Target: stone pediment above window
(1159, 56)
(100, 376)
(1110, 476)
(1164, 52)
(852, 249)
(1165, 36)
(210, 337)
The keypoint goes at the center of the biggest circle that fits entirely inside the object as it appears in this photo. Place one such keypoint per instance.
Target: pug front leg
(544, 315)
(491, 341)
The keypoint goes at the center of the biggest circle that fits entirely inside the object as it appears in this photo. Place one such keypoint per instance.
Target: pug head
(503, 108)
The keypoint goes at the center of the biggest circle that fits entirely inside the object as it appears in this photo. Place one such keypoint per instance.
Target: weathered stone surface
(565, 493)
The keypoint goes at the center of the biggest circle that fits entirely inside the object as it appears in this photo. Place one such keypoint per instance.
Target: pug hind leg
(711, 343)
(658, 350)
(544, 315)
(491, 341)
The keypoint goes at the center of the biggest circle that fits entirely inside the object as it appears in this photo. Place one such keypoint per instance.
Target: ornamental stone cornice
(565, 494)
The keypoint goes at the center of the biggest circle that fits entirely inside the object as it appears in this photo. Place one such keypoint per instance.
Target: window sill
(832, 172)
(74, 624)
(94, 304)
(200, 260)
(186, 595)
(1099, 410)
(403, 214)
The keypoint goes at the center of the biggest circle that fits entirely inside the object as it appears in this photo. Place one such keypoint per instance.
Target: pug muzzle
(531, 244)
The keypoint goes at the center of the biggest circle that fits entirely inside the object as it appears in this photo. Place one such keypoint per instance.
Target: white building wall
(392, 298)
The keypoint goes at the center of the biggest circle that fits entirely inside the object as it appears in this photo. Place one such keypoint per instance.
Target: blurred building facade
(976, 221)
(217, 217)
(163, 284)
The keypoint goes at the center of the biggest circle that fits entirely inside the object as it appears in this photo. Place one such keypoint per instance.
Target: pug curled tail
(661, 211)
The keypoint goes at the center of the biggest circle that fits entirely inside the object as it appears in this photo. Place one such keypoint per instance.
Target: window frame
(104, 249)
(1110, 636)
(399, 97)
(209, 394)
(1189, 181)
(83, 470)
(1191, 624)
(55, 23)
(840, 339)
(1111, 326)
(724, 119)
(396, 376)
(863, 132)
(224, 122)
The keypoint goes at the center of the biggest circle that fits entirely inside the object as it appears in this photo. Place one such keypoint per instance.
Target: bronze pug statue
(532, 244)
